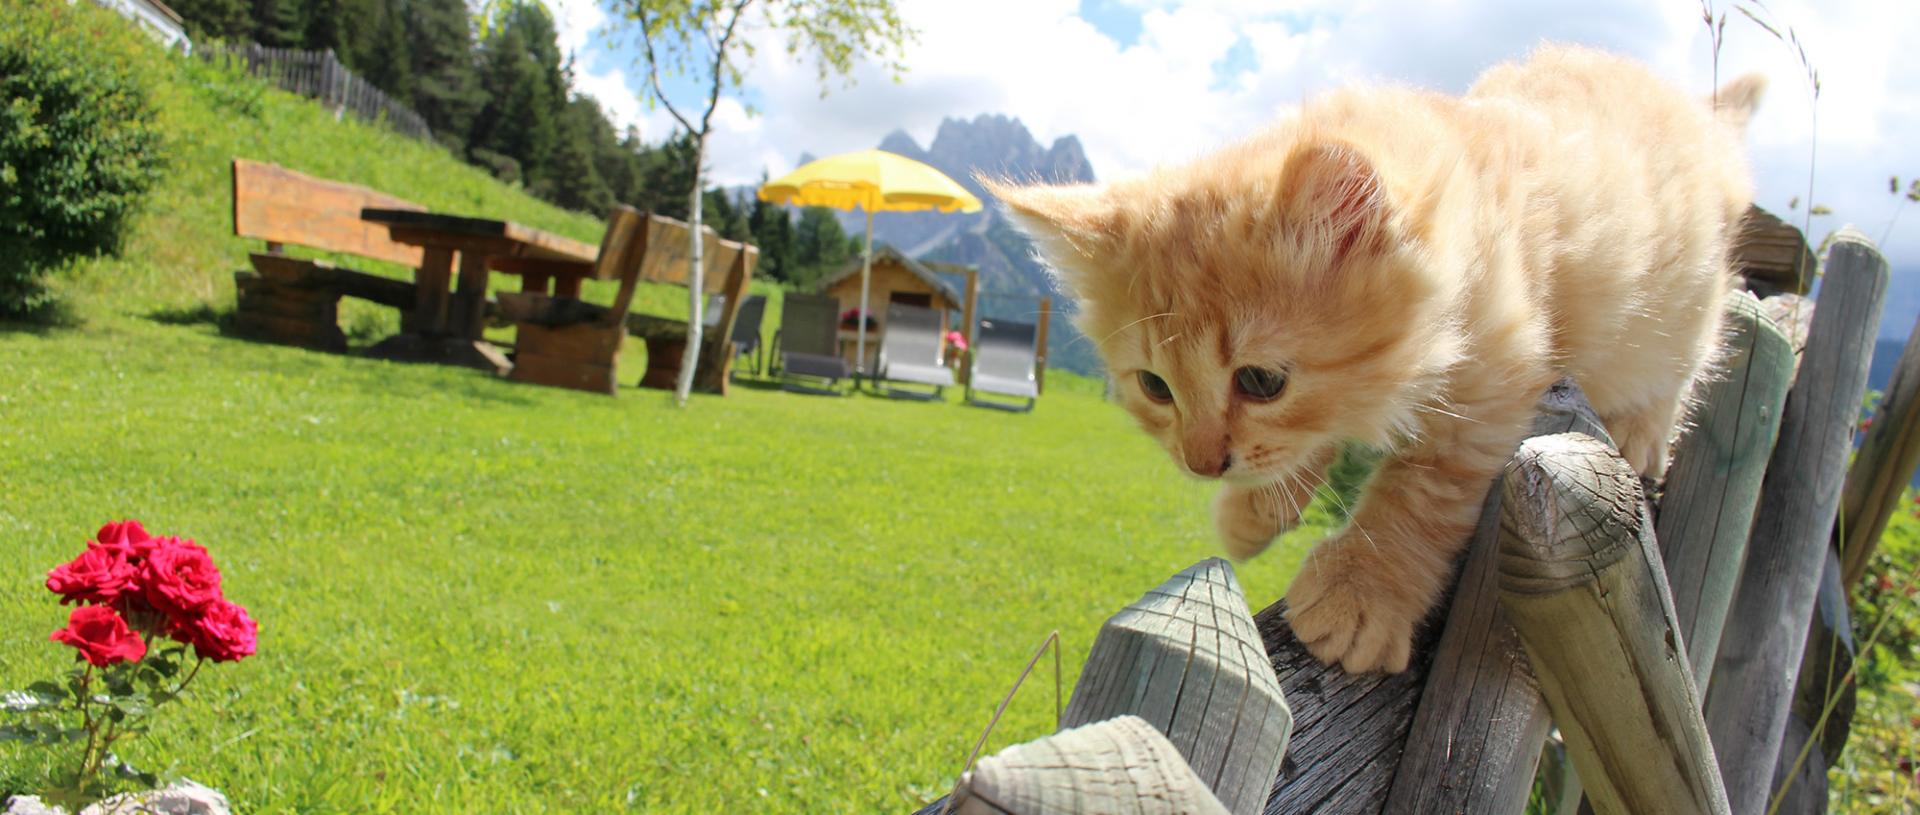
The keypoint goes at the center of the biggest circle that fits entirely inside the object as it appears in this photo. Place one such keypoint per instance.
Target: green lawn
(477, 596)
(481, 596)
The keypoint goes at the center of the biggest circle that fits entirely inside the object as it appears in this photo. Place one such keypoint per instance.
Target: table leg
(535, 282)
(470, 305)
(567, 286)
(430, 286)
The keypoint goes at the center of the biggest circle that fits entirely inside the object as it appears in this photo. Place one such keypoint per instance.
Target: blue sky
(1143, 82)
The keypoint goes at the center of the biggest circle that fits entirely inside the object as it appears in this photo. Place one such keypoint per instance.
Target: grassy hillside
(477, 596)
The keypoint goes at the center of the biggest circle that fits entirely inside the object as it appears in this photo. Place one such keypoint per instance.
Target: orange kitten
(1409, 271)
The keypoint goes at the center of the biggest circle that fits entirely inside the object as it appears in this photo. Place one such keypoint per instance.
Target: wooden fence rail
(319, 75)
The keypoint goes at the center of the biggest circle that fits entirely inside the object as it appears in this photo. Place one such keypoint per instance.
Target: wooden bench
(294, 300)
(567, 342)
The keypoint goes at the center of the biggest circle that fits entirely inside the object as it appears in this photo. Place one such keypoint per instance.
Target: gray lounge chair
(910, 346)
(1005, 355)
(809, 344)
(746, 326)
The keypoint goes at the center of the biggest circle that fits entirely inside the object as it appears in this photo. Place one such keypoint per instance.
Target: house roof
(927, 271)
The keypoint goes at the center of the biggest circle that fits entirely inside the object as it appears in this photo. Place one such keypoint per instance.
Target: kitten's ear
(1067, 220)
(1334, 188)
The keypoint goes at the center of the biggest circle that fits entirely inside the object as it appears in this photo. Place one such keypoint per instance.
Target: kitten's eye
(1155, 387)
(1259, 383)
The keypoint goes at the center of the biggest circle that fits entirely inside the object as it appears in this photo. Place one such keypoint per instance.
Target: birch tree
(707, 41)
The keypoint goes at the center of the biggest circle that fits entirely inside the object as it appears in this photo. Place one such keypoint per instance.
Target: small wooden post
(968, 312)
(1119, 765)
(1884, 465)
(470, 302)
(1580, 578)
(1714, 483)
(1188, 659)
(1765, 637)
(1040, 346)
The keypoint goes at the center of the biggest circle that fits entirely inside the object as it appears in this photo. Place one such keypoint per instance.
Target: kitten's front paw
(1344, 605)
(1249, 518)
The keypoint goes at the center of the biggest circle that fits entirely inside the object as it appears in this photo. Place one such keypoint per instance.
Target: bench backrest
(667, 259)
(278, 205)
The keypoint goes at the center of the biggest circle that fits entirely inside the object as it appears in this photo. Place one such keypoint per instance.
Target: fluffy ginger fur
(1419, 268)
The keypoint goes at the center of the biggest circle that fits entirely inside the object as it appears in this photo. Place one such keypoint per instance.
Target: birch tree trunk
(696, 275)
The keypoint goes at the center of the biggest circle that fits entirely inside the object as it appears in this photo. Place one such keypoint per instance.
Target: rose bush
(135, 591)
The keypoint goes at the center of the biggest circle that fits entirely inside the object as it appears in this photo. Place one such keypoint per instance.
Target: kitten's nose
(1210, 466)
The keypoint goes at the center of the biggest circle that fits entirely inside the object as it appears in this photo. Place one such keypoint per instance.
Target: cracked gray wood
(1765, 637)
(1713, 486)
(1580, 578)
(1188, 659)
(1122, 764)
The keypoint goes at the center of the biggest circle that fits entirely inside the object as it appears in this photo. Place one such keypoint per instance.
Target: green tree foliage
(772, 228)
(445, 91)
(278, 24)
(520, 73)
(78, 140)
(820, 246)
(216, 19)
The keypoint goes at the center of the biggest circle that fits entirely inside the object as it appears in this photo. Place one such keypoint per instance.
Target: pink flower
(223, 632)
(179, 578)
(98, 575)
(101, 637)
(957, 340)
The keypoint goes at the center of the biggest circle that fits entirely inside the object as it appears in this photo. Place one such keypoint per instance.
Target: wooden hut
(897, 278)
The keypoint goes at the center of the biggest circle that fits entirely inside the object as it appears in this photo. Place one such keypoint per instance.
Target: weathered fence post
(1580, 578)
(1482, 722)
(1119, 765)
(1765, 637)
(1800, 781)
(1713, 486)
(1882, 468)
(1187, 660)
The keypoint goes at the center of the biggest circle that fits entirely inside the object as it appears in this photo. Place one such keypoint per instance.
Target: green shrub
(78, 141)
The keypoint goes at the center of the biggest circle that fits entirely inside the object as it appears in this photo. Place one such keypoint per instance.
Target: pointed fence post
(1766, 634)
(1188, 659)
(1119, 765)
(1580, 578)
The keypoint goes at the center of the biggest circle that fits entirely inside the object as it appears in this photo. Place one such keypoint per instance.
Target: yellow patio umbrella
(875, 181)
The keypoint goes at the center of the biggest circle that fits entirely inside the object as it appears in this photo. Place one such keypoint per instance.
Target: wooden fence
(319, 75)
(1692, 649)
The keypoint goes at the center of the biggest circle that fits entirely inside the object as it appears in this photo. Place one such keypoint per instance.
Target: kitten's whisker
(1434, 409)
(1352, 519)
(1116, 332)
(1168, 340)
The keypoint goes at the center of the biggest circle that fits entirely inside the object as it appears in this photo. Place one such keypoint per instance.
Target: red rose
(98, 575)
(101, 636)
(223, 632)
(179, 578)
(127, 537)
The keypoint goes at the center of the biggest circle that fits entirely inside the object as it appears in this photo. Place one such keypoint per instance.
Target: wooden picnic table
(447, 323)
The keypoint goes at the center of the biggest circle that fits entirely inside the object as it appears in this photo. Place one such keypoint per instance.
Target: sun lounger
(746, 327)
(910, 352)
(1005, 357)
(809, 344)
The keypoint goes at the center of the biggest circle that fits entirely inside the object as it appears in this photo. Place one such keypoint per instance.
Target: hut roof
(927, 271)
(1773, 252)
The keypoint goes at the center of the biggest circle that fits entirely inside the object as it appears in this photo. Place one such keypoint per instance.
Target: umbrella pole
(866, 271)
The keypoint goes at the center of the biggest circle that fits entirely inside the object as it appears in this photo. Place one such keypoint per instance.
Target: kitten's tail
(1735, 102)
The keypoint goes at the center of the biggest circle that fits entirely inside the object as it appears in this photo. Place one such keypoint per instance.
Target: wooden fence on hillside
(319, 75)
(1692, 648)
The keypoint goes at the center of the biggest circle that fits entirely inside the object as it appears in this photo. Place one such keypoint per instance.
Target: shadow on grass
(196, 314)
